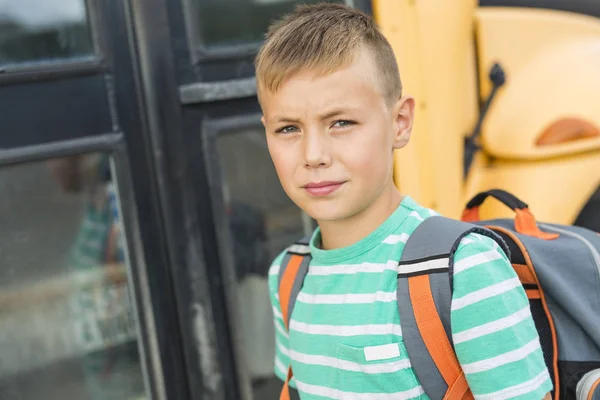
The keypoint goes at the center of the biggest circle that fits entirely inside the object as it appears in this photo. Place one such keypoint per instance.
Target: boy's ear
(262, 120)
(404, 112)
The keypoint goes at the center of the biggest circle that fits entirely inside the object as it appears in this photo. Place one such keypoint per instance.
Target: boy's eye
(287, 129)
(342, 123)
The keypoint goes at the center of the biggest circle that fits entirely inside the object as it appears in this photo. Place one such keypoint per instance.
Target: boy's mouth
(320, 189)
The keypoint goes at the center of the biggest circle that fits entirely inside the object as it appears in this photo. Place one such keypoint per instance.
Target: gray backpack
(559, 267)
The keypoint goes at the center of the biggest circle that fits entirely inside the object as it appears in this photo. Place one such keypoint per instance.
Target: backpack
(558, 266)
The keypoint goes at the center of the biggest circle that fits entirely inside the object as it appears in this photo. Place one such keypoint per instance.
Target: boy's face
(332, 138)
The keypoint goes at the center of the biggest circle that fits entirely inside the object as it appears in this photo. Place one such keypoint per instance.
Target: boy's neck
(343, 233)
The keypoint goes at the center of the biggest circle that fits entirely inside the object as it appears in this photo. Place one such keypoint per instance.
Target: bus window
(262, 222)
(41, 30)
(67, 324)
(238, 22)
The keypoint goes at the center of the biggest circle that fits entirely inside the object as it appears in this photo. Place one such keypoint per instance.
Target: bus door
(87, 309)
(226, 215)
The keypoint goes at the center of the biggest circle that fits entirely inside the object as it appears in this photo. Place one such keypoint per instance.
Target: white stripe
(475, 260)
(338, 394)
(415, 215)
(282, 368)
(394, 239)
(466, 240)
(483, 239)
(502, 359)
(485, 293)
(334, 362)
(517, 390)
(491, 327)
(349, 298)
(433, 213)
(351, 269)
(478, 236)
(277, 313)
(283, 350)
(440, 263)
(346, 330)
(274, 270)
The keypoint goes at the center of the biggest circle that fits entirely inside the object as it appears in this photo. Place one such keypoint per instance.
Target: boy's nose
(317, 152)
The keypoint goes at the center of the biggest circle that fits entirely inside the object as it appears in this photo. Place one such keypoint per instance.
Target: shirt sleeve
(282, 358)
(493, 331)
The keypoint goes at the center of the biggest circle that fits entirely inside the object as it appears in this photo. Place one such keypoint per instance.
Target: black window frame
(63, 67)
(211, 129)
(196, 63)
(201, 53)
(122, 132)
(113, 145)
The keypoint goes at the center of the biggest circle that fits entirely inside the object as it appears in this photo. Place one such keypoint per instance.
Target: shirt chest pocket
(375, 369)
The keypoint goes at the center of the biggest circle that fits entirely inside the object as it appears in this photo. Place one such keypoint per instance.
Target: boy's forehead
(280, 105)
(351, 87)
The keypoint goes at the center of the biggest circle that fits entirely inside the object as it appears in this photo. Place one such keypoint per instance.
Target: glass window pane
(234, 22)
(42, 30)
(263, 221)
(67, 325)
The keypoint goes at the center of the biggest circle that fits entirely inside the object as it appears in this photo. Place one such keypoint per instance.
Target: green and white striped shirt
(347, 310)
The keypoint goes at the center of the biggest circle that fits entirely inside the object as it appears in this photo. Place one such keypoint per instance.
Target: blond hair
(324, 38)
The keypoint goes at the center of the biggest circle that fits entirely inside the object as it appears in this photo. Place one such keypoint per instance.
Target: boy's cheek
(284, 166)
(278, 154)
(367, 158)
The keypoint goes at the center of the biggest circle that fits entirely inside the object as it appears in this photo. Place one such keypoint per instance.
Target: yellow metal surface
(552, 61)
(516, 35)
(433, 41)
(398, 22)
(555, 189)
(551, 74)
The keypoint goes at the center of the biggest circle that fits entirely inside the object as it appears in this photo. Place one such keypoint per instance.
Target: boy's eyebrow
(337, 111)
(332, 113)
(281, 118)
(324, 116)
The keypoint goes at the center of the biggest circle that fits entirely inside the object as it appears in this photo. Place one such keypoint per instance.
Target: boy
(330, 92)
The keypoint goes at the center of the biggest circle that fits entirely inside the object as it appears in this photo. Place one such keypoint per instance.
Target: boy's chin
(326, 212)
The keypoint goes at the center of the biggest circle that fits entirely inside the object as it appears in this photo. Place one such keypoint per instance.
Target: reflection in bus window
(235, 22)
(66, 319)
(263, 221)
(42, 30)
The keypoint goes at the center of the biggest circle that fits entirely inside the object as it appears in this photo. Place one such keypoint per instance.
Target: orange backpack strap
(424, 300)
(292, 271)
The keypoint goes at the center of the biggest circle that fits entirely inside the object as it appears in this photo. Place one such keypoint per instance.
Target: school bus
(140, 210)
